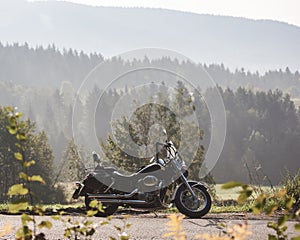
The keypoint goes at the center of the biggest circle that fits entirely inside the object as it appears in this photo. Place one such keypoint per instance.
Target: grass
(63, 206)
(226, 200)
(231, 194)
(231, 209)
(53, 207)
(214, 209)
(3, 207)
(225, 203)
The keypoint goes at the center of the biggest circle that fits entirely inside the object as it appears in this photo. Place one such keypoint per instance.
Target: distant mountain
(236, 42)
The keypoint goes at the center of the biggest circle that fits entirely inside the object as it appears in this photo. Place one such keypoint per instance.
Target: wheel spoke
(193, 204)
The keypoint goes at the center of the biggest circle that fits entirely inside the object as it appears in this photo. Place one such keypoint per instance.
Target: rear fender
(78, 190)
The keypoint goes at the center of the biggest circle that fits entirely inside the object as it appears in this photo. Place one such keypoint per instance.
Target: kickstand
(156, 215)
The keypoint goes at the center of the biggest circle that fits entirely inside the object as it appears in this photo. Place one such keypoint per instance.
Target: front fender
(191, 183)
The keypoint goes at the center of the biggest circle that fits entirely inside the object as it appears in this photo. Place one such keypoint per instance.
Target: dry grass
(175, 229)
(238, 231)
(6, 229)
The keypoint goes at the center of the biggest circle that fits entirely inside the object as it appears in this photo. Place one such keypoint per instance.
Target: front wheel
(108, 209)
(191, 206)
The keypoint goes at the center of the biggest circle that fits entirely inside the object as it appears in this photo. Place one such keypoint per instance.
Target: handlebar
(173, 154)
(168, 146)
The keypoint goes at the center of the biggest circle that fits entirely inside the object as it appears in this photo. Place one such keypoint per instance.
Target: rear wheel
(108, 209)
(191, 206)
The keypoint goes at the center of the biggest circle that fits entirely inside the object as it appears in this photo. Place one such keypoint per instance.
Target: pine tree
(73, 168)
(143, 123)
(36, 148)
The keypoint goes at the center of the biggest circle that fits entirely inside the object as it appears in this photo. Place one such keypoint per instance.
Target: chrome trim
(79, 184)
(113, 196)
(123, 201)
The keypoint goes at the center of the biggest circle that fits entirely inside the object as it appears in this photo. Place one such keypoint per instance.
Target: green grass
(226, 203)
(55, 207)
(230, 209)
(226, 194)
(214, 209)
(217, 209)
(3, 207)
(233, 193)
(226, 200)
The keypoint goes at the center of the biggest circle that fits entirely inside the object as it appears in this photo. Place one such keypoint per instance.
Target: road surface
(153, 226)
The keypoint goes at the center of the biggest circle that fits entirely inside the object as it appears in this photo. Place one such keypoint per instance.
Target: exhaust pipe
(113, 196)
(123, 201)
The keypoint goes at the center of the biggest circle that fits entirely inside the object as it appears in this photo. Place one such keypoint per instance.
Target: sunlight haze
(279, 10)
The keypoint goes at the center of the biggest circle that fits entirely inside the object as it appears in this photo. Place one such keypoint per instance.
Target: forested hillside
(48, 68)
(263, 129)
(238, 42)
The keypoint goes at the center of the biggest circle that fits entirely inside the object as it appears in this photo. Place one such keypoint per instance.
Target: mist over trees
(44, 67)
(263, 135)
(263, 129)
(236, 41)
(50, 68)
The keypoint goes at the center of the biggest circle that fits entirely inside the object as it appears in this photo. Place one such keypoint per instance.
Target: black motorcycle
(158, 185)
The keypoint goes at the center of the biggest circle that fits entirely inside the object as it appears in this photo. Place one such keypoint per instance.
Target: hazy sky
(281, 10)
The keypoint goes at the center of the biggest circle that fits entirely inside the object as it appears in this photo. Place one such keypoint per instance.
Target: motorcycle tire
(187, 206)
(108, 209)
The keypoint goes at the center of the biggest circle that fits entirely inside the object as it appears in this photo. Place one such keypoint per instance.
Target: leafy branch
(22, 192)
(268, 203)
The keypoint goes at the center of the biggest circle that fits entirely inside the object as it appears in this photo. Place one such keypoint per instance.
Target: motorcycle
(158, 185)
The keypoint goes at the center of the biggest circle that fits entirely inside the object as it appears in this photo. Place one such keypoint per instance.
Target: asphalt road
(153, 226)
